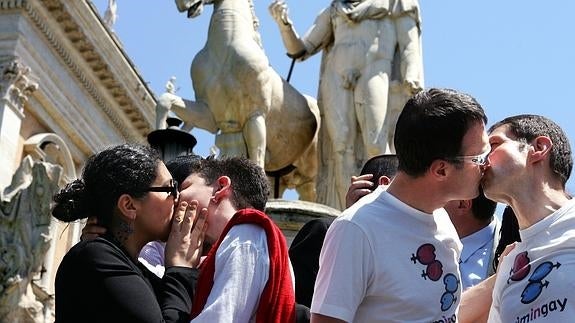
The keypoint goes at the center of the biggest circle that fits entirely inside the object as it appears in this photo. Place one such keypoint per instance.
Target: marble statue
(240, 98)
(111, 14)
(364, 43)
(24, 240)
(171, 85)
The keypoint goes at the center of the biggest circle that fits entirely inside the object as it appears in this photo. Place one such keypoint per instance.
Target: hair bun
(70, 202)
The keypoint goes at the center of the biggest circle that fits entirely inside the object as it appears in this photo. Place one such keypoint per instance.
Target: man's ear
(127, 206)
(541, 148)
(384, 180)
(224, 187)
(439, 168)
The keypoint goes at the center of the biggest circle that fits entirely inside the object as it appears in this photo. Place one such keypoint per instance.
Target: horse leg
(306, 191)
(306, 172)
(231, 144)
(255, 136)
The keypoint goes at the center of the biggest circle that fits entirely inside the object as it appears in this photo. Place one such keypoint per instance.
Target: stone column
(16, 85)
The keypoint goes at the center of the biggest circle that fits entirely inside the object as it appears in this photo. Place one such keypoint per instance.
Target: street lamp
(172, 141)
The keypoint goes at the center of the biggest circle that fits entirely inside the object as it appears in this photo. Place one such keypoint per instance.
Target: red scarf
(277, 301)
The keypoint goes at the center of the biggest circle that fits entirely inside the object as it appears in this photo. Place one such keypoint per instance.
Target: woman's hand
(184, 245)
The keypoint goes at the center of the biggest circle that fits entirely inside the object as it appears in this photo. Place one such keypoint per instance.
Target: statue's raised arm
(292, 42)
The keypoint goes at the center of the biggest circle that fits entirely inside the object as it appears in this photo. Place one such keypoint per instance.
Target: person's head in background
(470, 216)
(378, 170)
(224, 186)
(127, 188)
(382, 167)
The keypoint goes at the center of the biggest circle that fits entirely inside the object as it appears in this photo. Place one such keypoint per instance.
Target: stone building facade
(67, 89)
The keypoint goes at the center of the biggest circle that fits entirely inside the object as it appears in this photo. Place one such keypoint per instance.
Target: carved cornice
(10, 4)
(100, 69)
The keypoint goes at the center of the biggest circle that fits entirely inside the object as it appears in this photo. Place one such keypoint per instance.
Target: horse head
(193, 7)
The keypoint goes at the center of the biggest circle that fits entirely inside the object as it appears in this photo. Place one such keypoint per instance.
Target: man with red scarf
(246, 276)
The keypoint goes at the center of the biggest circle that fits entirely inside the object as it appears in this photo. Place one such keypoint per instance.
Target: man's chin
(485, 183)
(490, 192)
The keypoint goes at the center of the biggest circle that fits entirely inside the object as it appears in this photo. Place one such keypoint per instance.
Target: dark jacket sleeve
(179, 284)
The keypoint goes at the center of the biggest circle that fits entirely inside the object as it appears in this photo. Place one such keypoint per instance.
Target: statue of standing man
(365, 43)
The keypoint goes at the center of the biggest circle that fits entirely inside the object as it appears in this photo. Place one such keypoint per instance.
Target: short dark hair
(508, 233)
(380, 165)
(526, 127)
(432, 126)
(483, 208)
(181, 166)
(122, 169)
(250, 186)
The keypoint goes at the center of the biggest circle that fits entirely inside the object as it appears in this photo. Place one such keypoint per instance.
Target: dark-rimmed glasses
(171, 190)
(479, 160)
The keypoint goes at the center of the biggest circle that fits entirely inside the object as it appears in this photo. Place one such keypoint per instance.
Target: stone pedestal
(290, 215)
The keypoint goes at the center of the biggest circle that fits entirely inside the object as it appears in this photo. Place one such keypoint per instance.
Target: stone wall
(67, 89)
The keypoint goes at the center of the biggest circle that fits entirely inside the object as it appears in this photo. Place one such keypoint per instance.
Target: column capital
(16, 82)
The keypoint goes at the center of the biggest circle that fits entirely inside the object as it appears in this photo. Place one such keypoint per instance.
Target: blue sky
(513, 56)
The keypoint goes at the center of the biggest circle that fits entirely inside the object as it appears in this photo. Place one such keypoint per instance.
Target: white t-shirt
(536, 281)
(384, 261)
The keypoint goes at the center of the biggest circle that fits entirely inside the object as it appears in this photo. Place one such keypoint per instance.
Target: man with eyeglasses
(474, 221)
(393, 255)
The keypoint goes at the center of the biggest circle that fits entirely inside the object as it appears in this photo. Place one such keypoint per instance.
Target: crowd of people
(189, 240)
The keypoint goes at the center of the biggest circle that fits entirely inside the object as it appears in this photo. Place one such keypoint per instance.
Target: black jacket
(98, 282)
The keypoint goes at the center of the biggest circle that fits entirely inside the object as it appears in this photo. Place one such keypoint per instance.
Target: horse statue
(243, 100)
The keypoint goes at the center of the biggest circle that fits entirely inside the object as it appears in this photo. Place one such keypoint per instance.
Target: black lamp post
(172, 141)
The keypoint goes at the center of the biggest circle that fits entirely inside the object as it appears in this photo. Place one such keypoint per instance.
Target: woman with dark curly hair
(131, 193)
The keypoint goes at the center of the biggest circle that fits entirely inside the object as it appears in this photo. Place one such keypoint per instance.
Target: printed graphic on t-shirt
(521, 267)
(425, 255)
(536, 282)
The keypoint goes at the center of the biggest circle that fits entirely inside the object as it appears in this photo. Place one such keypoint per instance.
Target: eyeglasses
(478, 160)
(171, 190)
